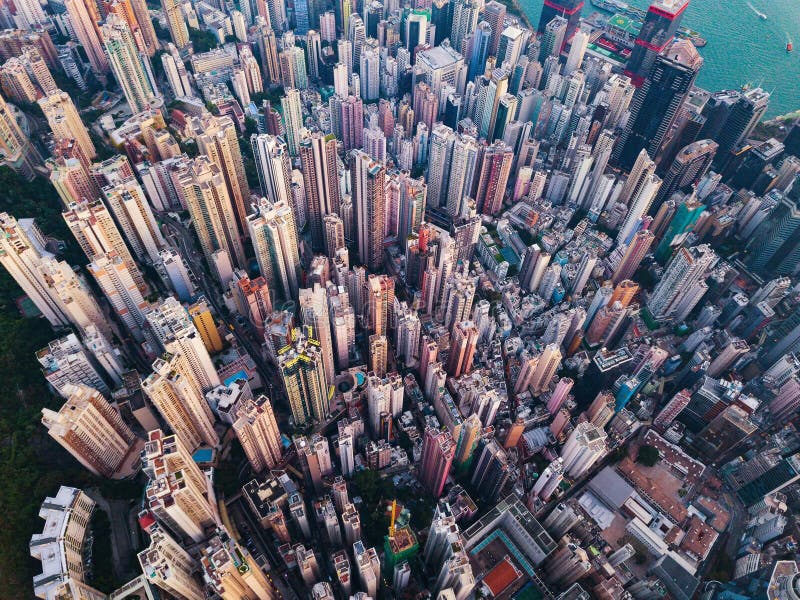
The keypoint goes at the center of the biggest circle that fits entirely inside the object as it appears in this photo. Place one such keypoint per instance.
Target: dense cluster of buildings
(491, 310)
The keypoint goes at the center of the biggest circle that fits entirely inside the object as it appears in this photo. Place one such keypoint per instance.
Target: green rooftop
(629, 26)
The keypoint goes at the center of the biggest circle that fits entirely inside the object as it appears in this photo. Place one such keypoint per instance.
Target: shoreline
(515, 8)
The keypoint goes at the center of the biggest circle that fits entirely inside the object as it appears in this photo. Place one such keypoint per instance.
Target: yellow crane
(394, 514)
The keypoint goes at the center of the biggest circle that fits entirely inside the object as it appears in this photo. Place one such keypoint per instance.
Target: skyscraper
(274, 168)
(93, 431)
(321, 177)
(658, 30)
(21, 253)
(64, 545)
(65, 122)
(171, 329)
(439, 160)
(179, 398)
(438, 450)
(773, 247)
(491, 469)
(640, 188)
(16, 150)
(655, 104)
(584, 447)
(119, 287)
(273, 231)
(84, 18)
(566, 9)
(463, 167)
(66, 362)
(173, 11)
(687, 169)
(492, 178)
(96, 233)
(314, 313)
(682, 283)
(132, 211)
(258, 433)
(379, 298)
(463, 343)
(168, 566)
(293, 119)
(131, 68)
(351, 119)
(730, 117)
(303, 373)
(231, 571)
(368, 180)
(201, 185)
(218, 138)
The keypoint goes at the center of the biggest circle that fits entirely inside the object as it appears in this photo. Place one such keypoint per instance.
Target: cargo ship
(618, 6)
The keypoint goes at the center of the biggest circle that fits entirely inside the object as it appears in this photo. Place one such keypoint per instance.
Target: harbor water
(743, 48)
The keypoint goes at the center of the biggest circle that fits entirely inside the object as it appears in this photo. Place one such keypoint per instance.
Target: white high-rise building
(369, 72)
(462, 172)
(21, 253)
(439, 163)
(105, 354)
(168, 566)
(584, 447)
(175, 71)
(384, 397)
(76, 299)
(258, 433)
(682, 283)
(120, 289)
(637, 193)
(178, 397)
(96, 233)
(178, 273)
(175, 332)
(131, 68)
(92, 430)
(65, 362)
(62, 547)
(577, 50)
(133, 213)
(273, 231)
(549, 479)
(292, 119)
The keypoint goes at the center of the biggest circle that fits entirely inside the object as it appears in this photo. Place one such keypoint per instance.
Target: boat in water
(789, 47)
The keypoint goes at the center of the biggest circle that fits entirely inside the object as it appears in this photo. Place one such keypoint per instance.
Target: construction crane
(394, 515)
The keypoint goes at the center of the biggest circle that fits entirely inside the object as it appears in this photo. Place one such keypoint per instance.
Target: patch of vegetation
(162, 32)
(203, 41)
(648, 456)
(226, 475)
(32, 465)
(102, 557)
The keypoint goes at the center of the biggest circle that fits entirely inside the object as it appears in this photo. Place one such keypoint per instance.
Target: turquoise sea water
(742, 48)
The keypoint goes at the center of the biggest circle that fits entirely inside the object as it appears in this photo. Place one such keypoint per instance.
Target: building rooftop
(502, 576)
(439, 57)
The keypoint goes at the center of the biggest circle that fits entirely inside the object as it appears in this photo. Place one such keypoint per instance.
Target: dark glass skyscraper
(655, 104)
(660, 24)
(731, 116)
(569, 9)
